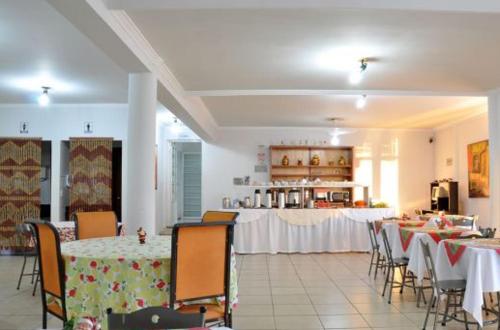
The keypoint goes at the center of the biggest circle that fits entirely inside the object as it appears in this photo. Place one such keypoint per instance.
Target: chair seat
(214, 312)
(452, 284)
(400, 261)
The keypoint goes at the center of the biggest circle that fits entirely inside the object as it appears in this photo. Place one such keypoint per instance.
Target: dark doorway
(45, 180)
(116, 191)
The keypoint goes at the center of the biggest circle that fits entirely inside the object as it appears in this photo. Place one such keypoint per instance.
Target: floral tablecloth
(120, 273)
(478, 263)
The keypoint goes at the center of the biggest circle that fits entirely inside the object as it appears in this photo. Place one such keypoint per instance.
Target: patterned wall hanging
(90, 169)
(20, 161)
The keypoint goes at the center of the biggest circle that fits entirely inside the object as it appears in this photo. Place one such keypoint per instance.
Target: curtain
(20, 164)
(90, 170)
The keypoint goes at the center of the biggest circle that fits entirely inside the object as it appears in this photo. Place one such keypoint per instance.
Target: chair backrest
(219, 216)
(373, 236)
(488, 232)
(155, 318)
(464, 221)
(25, 232)
(429, 264)
(201, 259)
(50, 261)
(95, 224)
(387, 248)
(418, 212)
(392, 218)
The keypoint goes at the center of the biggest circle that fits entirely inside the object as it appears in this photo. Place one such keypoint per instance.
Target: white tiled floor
(313, 291)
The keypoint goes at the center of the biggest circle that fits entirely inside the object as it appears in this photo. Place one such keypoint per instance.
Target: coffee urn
(256, 199)
(281, 199)
(269, 199)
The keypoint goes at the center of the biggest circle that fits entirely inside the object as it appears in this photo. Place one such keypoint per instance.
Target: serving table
(475, 260)
(305, 230)
(119, 273)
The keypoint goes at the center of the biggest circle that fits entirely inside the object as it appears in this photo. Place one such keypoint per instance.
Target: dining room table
(478, 262)
(405, 243)
(122, 274)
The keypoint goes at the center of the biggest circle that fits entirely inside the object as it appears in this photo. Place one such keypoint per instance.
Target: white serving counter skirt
(305, 230)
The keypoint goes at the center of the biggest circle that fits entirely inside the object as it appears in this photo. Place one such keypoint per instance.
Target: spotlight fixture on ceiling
(44, 99)
(356, 76)
(361, 102)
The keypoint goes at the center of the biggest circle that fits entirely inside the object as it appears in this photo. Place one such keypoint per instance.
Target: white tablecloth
(338, 230)
(479, 266)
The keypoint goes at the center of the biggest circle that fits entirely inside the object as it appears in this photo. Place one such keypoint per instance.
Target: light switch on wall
(449, 161)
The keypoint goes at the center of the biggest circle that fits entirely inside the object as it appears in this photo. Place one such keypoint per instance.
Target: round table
(115, 272)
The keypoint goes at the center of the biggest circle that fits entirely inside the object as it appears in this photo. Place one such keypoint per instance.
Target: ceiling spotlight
(361, 102)
(356, 76)
(44, 99)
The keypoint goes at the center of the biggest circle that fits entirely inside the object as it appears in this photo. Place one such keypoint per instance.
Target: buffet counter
(305, 230)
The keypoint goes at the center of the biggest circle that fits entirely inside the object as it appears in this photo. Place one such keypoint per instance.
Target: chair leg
(22, 272)
(44, 320)
(413, 283)
(377, 265)
(371, 263)
(34, 269)
(428, 311)
(386, 281)
(445, 317)
(36, 284)
(392, 284)
(402, 270)
(438, 298)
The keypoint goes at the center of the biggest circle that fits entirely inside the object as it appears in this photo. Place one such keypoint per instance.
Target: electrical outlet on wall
(449, 161)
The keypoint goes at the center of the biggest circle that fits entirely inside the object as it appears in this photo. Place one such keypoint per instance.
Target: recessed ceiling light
(44, 99)
(361, 102)
(357, 74)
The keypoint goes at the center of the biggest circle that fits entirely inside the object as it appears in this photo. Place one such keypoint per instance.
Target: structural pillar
(494, 145)
(140, 202)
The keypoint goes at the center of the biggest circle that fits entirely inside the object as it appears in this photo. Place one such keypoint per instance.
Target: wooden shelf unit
(324, 171)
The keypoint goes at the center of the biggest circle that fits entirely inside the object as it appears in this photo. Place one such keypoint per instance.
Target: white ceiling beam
(190, 109)
(475, 6)
(319, 92)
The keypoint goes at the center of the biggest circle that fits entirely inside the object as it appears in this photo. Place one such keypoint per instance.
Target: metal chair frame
(379, 263)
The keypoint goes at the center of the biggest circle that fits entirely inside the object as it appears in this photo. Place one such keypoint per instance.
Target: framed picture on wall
(478, 162)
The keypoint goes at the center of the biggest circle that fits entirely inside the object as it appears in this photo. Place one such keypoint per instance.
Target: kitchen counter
(305, 230)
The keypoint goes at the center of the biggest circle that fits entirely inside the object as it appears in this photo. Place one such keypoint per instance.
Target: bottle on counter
(281, 199)
(268, 202)
(256, 199)
(226, 203)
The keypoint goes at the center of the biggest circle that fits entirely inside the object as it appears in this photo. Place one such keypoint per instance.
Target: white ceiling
(380, 111)
(38, 44)
(228, 49)
(266, 67)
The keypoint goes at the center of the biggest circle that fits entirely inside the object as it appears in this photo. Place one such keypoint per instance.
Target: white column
(140, 195)
(494, 145)
(55, 182)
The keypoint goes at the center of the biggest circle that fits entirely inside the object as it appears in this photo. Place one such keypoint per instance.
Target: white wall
(408, 151)
(451, 142)
(60, 122)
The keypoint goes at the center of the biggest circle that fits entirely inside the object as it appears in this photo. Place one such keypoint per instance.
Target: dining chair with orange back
(51, 266)
(200, 268)
(219, 216)
(95, 224)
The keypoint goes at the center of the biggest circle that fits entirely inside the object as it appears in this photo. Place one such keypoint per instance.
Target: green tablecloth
(120, 273)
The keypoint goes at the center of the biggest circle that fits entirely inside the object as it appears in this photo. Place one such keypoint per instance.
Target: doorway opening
(45, 180)
(186, 181)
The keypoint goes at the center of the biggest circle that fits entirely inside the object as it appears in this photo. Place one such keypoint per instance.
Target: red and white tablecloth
(474, 260)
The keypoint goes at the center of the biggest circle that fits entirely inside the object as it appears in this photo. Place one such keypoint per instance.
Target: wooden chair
(201, 268)
(155, 318)
(51, 265)
(95, 224)
(219, 216)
